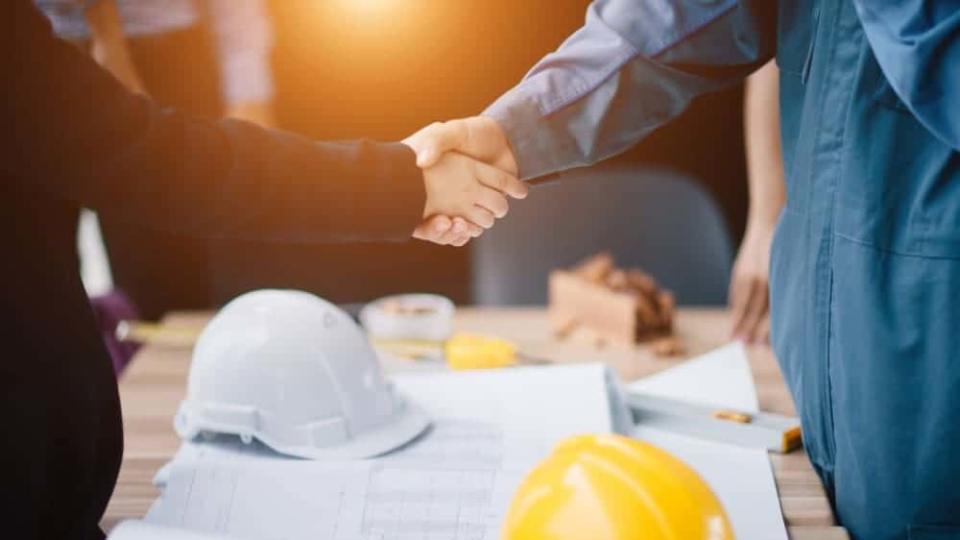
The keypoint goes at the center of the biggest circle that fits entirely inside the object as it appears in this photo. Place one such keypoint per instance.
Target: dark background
(384, 68)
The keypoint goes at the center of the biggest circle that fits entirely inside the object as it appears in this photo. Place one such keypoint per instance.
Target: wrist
(761, 219)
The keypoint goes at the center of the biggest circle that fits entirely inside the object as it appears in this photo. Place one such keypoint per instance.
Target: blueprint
(454, 482)
(446, 485)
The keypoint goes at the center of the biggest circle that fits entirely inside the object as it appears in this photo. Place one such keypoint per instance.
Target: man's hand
(446, 231)
(463, 187)
(749, 288)
(478, 137)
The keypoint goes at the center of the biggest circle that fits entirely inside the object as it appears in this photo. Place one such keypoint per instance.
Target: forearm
(82, 137)
(109, 44)
(765, 174)
(634, 66)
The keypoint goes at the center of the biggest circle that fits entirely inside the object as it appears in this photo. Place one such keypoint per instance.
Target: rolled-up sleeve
(244, 39)
(632, 67)
(917, 44)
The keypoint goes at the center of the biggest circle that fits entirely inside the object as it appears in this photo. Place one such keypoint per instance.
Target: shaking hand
(464, 195)
(478, 137)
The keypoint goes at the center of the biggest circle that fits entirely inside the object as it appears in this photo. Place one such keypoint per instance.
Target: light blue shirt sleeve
(917, 44)
(243, 33)
(139, 17)
(633, 66)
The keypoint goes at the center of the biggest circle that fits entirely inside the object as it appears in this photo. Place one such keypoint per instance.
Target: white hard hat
(295, 372)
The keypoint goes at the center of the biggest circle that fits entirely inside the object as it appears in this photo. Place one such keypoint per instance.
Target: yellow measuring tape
(462, 351)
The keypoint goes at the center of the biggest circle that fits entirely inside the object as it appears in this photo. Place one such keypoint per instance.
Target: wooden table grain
(155, 382)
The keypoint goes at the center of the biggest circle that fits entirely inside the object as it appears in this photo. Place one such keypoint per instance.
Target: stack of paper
(455, 482)
(740, 477)
(720, 378)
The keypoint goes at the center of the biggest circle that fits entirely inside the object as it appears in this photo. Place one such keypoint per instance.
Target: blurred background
(381, 69)
(385, 68)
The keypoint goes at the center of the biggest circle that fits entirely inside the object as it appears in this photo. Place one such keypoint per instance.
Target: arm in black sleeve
(79, 135)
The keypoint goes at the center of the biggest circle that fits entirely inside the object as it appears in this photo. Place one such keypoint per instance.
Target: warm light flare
(372, 8)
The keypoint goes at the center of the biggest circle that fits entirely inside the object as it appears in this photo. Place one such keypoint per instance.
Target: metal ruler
(774, 432)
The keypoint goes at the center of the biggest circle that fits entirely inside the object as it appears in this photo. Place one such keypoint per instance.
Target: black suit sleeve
(80, 136)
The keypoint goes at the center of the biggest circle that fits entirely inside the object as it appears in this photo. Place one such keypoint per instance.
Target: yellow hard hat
(609, 487)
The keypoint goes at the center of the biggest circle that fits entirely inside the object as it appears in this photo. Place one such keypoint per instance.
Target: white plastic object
(426, 317)
(295, 372)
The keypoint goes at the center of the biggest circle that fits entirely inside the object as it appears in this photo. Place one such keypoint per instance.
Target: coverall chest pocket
(900, 185)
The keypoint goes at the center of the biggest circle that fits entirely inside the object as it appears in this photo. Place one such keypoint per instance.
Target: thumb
(433, 228)
(431, 142)
(427, 157)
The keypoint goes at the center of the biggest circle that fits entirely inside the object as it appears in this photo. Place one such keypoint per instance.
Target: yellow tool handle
(156, 334)
(462, 351)
(474, 351)
(733, 416)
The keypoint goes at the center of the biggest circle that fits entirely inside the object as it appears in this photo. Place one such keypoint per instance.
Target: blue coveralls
(865, 270)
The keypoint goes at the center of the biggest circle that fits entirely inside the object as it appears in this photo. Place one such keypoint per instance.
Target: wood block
(618, 314)
(607, 313)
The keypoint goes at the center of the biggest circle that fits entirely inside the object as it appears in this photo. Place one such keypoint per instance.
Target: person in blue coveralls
(865, 266)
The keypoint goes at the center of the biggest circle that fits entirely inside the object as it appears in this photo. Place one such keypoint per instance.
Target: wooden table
(154, 384)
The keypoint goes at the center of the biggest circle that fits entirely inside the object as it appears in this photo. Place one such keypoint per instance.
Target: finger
(494, 201)
(439, 224)
(481, 216)
(436, 139)
(742, 330)
(756, 310)
(764, 333)
(473, 230)
(500, 180)
(460, 232)
(433, 228)
(740, 292)
(454, 232)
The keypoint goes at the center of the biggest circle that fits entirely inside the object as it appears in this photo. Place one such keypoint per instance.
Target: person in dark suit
(75, 137)
(208, 58)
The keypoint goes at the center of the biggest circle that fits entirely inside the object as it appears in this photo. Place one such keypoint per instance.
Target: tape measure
(462, 351)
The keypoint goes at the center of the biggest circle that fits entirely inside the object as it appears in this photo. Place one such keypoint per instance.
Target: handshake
(468, 172)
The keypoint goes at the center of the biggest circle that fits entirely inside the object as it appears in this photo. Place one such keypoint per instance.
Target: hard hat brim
(406, 426)
(407, 422)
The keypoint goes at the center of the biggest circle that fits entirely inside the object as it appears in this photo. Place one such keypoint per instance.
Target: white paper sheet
(139, 530)
(741, 478)
(455, 482)
(721, 377)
